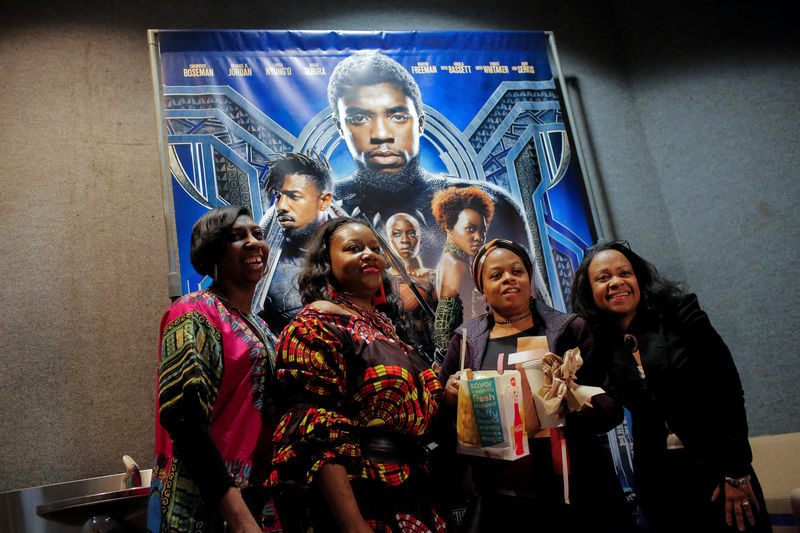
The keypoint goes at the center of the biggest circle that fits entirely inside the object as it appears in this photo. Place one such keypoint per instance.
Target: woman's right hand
(236, 513)
(451, 389)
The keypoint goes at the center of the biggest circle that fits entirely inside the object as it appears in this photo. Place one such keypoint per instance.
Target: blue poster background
(233, 98)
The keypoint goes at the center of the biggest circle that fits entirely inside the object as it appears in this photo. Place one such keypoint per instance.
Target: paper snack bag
(490, 419)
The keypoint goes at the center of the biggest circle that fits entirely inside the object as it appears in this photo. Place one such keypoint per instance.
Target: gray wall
(688, 116)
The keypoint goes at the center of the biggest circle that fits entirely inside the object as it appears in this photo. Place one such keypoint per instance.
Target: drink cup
(535, 376)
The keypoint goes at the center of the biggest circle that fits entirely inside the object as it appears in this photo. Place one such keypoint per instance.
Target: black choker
(520, 317)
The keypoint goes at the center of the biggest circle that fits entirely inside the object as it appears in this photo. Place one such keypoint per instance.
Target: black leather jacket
(691, 383)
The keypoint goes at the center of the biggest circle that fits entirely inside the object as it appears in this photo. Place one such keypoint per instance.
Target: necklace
(222, 297)
(456, 251)
(377, 319)
(511, 321)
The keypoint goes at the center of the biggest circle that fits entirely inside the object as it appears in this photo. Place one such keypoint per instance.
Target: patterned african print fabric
(215, 368)
(345, 378)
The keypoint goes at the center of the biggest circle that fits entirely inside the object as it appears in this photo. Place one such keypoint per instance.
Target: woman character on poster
(464, 214)
(403, 233)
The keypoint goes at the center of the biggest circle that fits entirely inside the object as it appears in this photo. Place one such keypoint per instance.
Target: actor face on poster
(404, 232)
(380, 126)
(301, 186)
(303, 190)
(377, 109)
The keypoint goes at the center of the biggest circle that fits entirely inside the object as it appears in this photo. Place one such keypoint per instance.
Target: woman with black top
(528, 493)
(671, 369)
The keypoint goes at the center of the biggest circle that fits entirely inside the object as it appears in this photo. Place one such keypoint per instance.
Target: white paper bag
(491, 414)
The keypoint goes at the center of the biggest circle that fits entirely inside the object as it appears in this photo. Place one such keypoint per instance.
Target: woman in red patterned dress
(362, 400)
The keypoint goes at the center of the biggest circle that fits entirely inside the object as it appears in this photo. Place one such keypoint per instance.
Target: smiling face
(380, 126)
(404, 236)
(300, 202)
(469, 231)
(506, 283)
(244, 258)
(614, 286)
(356, 260)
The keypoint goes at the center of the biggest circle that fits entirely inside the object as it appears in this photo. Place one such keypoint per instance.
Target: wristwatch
(737, 481)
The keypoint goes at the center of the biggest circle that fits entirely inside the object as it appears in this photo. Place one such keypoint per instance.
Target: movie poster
(440, 140)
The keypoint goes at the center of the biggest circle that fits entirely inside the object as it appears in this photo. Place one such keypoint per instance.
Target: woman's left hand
(451, 389)
(739, 502)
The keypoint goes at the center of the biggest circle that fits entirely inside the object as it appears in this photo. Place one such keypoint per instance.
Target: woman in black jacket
(671, 369)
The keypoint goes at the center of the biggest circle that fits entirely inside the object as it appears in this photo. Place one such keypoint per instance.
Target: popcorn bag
(554, 387)
(536, 381)
(491, 415)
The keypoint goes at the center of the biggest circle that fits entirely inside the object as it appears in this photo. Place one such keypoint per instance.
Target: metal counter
(65, 507)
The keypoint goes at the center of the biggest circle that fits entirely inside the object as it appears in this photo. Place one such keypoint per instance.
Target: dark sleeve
(452, 358)
(606, 412)
(724, 386)
(198, 452)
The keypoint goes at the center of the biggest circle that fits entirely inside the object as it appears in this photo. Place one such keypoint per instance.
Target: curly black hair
(448, 203)
(656, 291)
(317, 275)
(210, 234)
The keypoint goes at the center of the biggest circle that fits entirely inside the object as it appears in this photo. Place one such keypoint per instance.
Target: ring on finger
(745, 504)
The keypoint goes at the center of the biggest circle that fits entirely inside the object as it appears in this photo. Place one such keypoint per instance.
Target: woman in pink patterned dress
(214, 388)
(362, 400)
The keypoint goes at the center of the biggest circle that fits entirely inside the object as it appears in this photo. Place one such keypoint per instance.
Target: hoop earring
(332, 292)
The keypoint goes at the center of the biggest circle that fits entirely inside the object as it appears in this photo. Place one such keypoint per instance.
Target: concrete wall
(688, 116)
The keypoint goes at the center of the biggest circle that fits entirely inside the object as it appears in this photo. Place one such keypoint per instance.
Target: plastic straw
(463, 347)
(564, 466)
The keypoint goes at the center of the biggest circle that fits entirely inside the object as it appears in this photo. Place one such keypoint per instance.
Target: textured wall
(718, 95)
(83, 246)
(688, 171)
